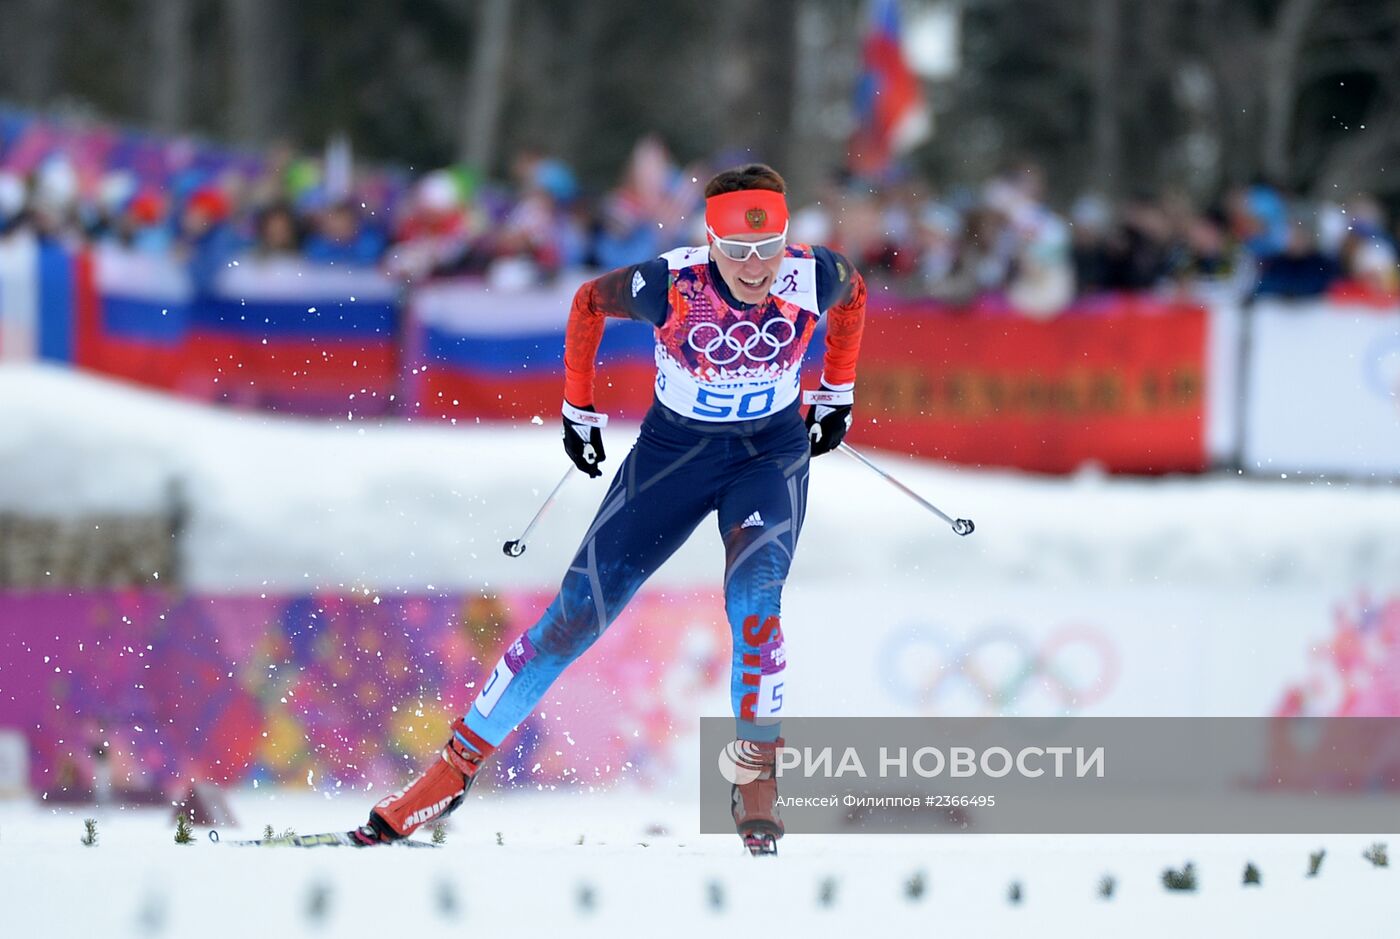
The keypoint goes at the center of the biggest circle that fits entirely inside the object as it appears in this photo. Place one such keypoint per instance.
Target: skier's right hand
(583, 437)
(828, 418)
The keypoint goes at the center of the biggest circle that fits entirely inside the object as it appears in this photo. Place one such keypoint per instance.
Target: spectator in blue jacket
(341, 237)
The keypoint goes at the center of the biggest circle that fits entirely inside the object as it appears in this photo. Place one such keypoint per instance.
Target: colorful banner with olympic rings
(354, 691)
(343, 691)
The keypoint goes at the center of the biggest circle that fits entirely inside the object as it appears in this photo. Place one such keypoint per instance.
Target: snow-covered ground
(1210, 592)
(649, 873)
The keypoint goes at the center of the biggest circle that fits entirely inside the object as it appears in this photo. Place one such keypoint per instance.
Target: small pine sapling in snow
(1184, 879)
(1377, 854)
(184, 831)
(1251, 874)
(89, 832)
(1106, 886)
(1315, 861)
(439, 833)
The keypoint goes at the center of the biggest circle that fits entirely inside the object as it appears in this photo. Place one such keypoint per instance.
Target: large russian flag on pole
(890, 109)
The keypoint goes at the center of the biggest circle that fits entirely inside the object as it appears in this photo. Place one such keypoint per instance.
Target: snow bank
(278, 503)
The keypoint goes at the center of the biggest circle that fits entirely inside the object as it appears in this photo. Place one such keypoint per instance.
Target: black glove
(828, 418)
(583, 437)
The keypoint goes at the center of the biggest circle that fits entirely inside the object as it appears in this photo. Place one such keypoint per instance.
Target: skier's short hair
(748, 176)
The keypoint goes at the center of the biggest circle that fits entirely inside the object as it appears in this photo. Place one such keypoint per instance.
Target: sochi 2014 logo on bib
(727, 346)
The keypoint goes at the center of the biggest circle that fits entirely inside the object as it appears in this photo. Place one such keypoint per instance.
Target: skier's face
(748, 280)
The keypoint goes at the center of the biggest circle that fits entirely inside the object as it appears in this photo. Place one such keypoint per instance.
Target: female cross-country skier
(733, 319)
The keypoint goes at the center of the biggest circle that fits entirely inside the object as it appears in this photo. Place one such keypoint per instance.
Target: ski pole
(516, 547)
(963, 526)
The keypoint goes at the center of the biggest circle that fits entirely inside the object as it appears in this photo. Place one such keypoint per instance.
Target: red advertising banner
(1123, 388)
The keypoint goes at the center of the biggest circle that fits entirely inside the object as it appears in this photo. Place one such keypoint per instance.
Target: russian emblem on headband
(756, 218)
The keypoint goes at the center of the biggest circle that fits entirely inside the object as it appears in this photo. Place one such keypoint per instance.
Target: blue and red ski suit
(724, 435)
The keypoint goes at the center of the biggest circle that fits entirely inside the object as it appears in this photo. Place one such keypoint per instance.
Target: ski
(328, 839)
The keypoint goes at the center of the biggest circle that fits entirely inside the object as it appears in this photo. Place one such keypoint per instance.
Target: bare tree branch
(1281, 57)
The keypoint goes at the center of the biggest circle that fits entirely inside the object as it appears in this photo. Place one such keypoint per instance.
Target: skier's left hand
(583, 437)
(828, 418)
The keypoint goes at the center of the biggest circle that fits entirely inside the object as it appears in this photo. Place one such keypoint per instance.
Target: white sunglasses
(767, 249)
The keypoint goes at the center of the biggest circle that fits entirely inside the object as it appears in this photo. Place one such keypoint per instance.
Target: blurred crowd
(1000, 245)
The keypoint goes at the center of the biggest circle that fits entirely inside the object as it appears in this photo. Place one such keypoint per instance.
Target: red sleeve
(845, 323)
(638, 292)
(581, 339)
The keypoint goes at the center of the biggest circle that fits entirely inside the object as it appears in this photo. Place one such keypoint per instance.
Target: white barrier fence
(1322, 391)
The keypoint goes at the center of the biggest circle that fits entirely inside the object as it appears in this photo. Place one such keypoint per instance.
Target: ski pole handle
(962, 526)
(516, 547)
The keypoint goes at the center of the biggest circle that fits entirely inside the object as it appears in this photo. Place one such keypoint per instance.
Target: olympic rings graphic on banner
(1000, 668)
(731, 340)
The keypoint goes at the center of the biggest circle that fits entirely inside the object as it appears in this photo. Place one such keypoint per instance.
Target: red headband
(747, 212)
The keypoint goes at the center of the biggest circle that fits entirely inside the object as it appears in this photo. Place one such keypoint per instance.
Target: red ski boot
(755, 803)
(433, 795)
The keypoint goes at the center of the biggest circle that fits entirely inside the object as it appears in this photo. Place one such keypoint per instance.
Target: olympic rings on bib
(742, 339)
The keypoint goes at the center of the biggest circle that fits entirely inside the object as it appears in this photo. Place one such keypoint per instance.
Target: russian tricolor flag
(19, 300)
(48, 301)
(890, 109)
(493, 354)
(114, 311)
(279, 332)
(144, 303)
